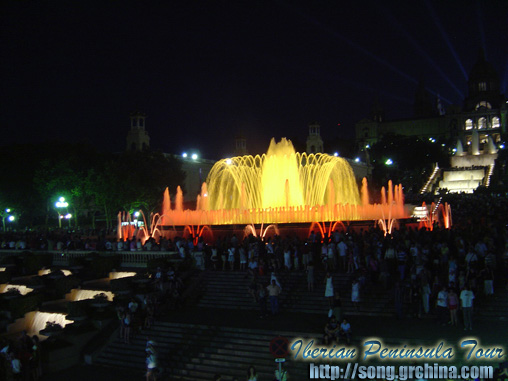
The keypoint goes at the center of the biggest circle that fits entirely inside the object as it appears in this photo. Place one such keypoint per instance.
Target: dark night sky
(204, 70)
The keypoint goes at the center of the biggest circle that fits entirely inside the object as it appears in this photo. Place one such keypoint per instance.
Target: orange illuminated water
(281, 186)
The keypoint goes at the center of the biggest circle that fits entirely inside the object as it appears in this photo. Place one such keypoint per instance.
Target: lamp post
(6, 214)
(61, 203)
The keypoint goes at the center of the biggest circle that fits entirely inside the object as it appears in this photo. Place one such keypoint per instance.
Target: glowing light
(336, 154)
(34, 321)
(389, 162)
(121, 274)
(357, 160)
(454, 150)
(11, 218)
(229, 161)
(79, 294)
(194, 156)
(501, 146)
(184, 155)
(367, 146)
(136, 214)
(23, 290)
(61, 203)
(68, 216)
(8, 210)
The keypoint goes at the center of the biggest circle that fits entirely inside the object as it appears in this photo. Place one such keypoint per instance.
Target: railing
(489, 175)
(431, 179)
(138, 259)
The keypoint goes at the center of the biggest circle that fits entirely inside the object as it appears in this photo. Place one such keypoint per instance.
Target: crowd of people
(427, 271)
(20, 358)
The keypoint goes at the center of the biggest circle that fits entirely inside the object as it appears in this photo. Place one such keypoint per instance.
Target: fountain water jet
(79, 294)
(35, 321)
(281, 186)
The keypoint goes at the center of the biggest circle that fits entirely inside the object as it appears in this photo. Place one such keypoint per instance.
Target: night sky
(204, 71)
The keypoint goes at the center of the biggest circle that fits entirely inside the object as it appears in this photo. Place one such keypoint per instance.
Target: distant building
(474, 132)
(196, 168)
(484, 112)
(137, 138)
(241, 146)
(314, 141)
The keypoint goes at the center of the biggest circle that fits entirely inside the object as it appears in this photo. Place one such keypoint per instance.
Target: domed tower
(483, 86)
(137, 138)
(314, 141)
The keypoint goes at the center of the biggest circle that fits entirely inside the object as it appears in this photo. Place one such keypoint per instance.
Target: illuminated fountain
(35, 321)
(79, 294)
(23, 290)
(45, 271)
(281, 186)
(121, 274)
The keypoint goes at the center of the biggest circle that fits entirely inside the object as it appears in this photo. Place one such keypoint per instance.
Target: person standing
(466, 299)
(453, 305)
(329, 289)
(442, 305)
(355, 293)
(310, 276)
(273, 293)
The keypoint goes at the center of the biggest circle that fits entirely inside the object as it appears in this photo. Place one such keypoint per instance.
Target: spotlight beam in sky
(353, 45)
(419, 49)
(445, 38)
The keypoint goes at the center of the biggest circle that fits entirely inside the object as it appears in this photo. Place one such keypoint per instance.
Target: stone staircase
(198, 352)
(229, 290)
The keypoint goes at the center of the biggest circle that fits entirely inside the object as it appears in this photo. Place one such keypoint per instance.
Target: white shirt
(466, 297)
(442, 299)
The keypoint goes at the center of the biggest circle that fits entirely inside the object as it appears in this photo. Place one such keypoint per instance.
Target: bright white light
(68, 216)
(367, 146)
(454, 150)
(8, 210)
(136, 214)
(442, 145)
(135, 221)
(61, 203)
(389, 162)
(501, 146)
(184, 154)
(205, 195)
(336, 154)
(11, 218)
(357, 160)
(229, 161)
(194, 156)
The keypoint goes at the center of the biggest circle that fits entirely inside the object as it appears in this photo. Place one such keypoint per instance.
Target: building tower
(240, 146)
(137, 138)
(314, 141)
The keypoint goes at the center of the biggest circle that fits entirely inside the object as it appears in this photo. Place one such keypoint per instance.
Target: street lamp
(6, 214)
(61, 203)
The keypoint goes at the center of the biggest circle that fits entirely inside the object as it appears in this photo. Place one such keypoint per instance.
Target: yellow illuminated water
(35, 321)
(281, 178)
(78, 294)
(281, 186)
(23, 290)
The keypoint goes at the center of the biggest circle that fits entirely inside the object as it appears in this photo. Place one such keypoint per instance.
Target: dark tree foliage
(413, 159)
(96, 185)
